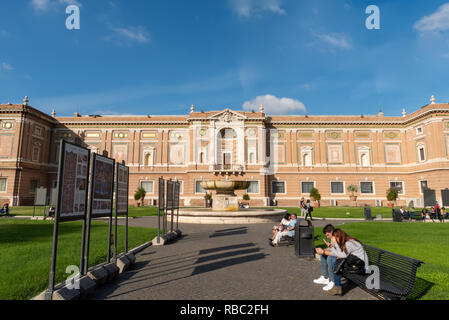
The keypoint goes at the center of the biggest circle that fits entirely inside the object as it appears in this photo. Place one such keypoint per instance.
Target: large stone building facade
(283, 156)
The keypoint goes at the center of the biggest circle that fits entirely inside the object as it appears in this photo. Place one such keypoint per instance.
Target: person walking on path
(309, 210)
(302, 206)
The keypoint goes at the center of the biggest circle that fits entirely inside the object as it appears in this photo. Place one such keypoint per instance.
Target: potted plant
(139, 197)
(392, 196)
(315, 196)
(208, 199)
(246, 199)
(353, 189)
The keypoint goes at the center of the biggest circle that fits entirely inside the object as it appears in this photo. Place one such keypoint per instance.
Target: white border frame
(403, 187)
(367, 194)
(140, 185)
(6, 184)
(300, 186)
(337, 194)
(258, 186)
(285, 188)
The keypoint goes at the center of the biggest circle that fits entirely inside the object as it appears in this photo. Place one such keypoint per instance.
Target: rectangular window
(33, 186)
(253, 187)
(198, 188)
(2, 185)
(398, 186)
(148, 186)
(422, 154)
(306, 187)
(278, 187)
(366, 188)
(424, 186)
(337, 188)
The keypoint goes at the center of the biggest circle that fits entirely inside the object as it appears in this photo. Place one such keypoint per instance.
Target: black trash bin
(304, 240)
(368, 216)
(397, 216)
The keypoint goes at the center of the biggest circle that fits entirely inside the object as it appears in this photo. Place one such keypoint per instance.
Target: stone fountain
(225, 207)
(225, 198)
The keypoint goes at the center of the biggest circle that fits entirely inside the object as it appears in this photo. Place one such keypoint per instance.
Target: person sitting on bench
(327, 262)
(51, 212)
(282, 226)
(342, 246)
(5, 209)
(288, 232)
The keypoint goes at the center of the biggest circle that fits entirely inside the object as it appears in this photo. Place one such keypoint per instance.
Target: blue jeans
(327, 267)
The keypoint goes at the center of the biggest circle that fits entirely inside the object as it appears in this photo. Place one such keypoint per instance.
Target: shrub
(353, 189)
(246, 197)
(314, 193)
(140, 194)
(392, 194)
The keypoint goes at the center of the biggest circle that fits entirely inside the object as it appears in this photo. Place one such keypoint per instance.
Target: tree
(315, 194)
(246, 197)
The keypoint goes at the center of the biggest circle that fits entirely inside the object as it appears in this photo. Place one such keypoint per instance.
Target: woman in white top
(282, 226)
(343, 245)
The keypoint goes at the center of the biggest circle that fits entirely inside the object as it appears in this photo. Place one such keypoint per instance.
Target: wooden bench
(397, 274)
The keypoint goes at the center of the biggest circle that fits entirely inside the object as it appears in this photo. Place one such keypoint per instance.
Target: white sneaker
(329, 286)
(321, 280)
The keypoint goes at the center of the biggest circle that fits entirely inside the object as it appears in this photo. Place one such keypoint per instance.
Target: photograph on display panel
(74, 182)
(122, 189)
(103, 186)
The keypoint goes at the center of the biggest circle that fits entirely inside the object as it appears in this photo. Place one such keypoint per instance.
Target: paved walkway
(220, 262)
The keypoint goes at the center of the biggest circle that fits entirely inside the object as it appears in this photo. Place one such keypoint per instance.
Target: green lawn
(323, 212)
(26, 248)
(427, 242)
(342, 212)
(133, 212)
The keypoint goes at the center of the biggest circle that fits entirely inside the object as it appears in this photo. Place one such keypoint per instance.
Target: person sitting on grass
(290, 231)
(342, 246)
(5, 209)
(282, 226)
(327, 262)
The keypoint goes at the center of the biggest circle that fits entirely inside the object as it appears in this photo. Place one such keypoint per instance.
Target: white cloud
(436, 22)
(335, 40)
(249, 8)
(6, 66)
(45, 5)
(274, 105)
(129, 35)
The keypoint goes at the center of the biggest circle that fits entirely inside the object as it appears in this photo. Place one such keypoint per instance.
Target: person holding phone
(327, 261)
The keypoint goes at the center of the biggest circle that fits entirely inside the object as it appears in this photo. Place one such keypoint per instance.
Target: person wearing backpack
(309, 210)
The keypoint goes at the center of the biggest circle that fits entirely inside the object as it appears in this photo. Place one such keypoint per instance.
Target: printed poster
(122, 189)
(74, 182)
(102, 186)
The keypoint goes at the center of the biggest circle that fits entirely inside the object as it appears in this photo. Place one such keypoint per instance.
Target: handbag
(339, 264)
(354, 265)
(351, 264)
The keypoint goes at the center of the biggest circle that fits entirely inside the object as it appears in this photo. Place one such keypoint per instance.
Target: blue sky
(160, 57)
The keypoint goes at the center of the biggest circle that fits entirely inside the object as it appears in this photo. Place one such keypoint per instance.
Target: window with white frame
(419, 131)
(2, 184)
(148, 186)
(253, 187)
(278, 187)
(366, 188)
(198, 188)
(423, 186)
(421, 152)
(306, 187)
(399, 186)
(337, 187)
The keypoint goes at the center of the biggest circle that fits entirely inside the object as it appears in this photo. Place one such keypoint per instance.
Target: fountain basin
(225, 198)
(242, 217)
